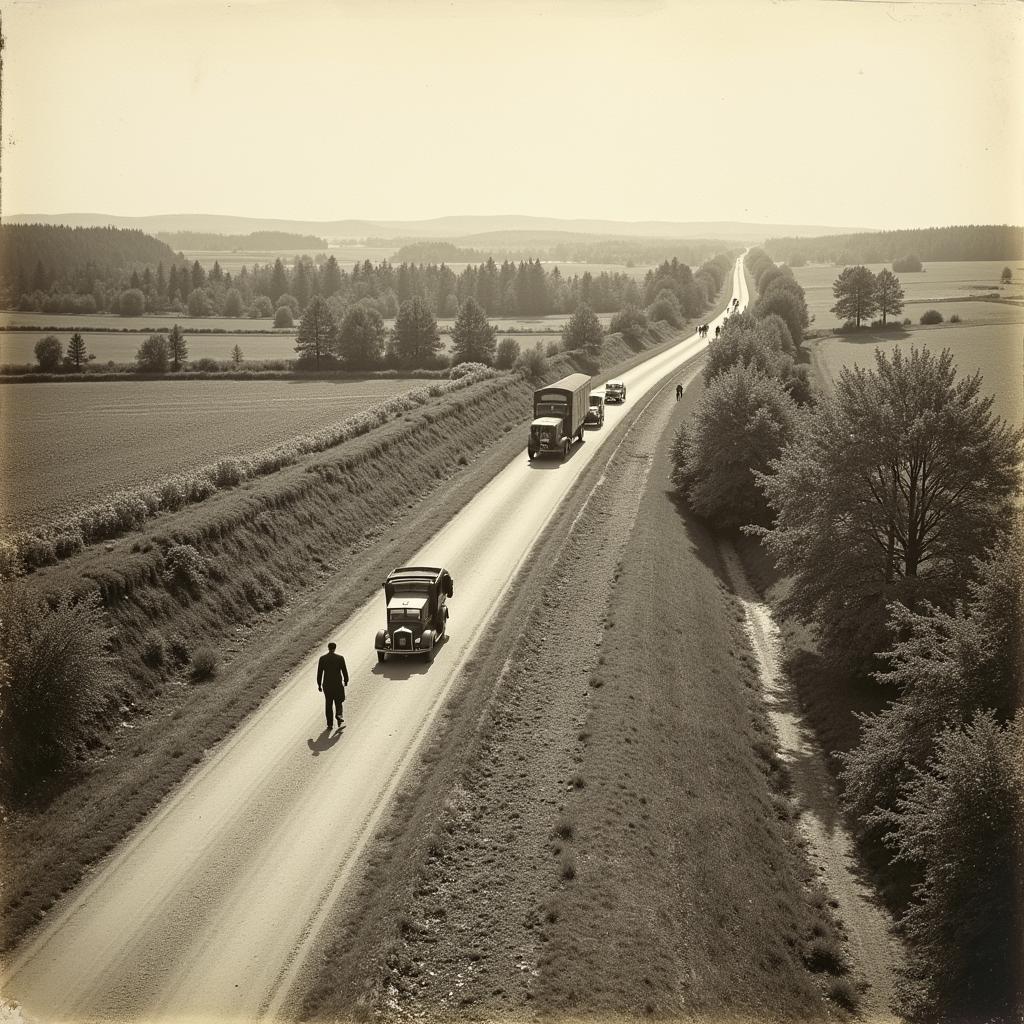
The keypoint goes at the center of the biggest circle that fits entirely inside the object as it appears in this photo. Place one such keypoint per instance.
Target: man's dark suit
(331, 676)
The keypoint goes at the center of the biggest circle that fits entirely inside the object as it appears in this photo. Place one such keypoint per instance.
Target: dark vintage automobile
(615, 391)
(417, 611)
(595, 414)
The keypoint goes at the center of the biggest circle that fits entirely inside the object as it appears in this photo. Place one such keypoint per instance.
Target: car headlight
(416, 641)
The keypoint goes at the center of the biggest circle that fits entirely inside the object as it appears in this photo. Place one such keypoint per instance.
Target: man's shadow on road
(324, 741)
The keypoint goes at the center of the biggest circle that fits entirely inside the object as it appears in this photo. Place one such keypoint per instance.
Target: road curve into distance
(209, 909)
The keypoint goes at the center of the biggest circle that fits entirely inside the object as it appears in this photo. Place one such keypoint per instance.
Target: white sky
(804, 111)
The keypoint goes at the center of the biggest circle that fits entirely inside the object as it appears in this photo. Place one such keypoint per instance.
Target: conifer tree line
(962, 242)
(891, 506)
(147, 277)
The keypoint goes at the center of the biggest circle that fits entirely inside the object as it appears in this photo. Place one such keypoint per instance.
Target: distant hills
(439, 227)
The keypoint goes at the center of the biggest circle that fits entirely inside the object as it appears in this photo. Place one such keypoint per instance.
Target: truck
(615, 391)
(559, 412)
(595, 414)
(417, 611)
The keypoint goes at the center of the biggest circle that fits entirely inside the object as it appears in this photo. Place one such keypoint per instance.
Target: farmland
(66, 445)
(937, 281)
(997, 350)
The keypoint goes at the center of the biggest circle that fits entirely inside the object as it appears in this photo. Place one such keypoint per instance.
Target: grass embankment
(288, 557)
(600, 828)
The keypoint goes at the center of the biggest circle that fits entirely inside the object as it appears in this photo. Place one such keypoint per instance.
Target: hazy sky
(802, 111)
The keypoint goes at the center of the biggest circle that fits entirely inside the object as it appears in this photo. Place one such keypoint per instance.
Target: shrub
(533, 362)
(283, 317)
(183, 565)
(205, 663)
(507, 354)
(931, 316)
(48, 352)
(466, 369)
(955, 318)
(205, 365)
(631, 323)
(55, 681)
(554, 346)
(154, 648)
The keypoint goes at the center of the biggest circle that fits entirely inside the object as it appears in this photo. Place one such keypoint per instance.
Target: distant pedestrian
(679, 391)
(331, 678)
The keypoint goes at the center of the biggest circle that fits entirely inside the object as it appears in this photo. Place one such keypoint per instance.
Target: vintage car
(417, 611)
(595, 412)
(615, 391)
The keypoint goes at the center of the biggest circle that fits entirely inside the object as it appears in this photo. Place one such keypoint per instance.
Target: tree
(361, 338)
(742, 423)
(317, 336)
(236, 355)
(290, 301)
(508, 354)
(261, 307)
(283, 317)
(77, 353)
(631, 323)
(154, 355)
(908, 265)
(473, 338)
(48, 352)
(132, 303)
(233, 302)
(901, 479)
(1006, 276)
(330, 277)
(414, 338)
(854, 292)
(582, 330)
(888, 294)
(198, 303)
(666, 307)
(177, 347)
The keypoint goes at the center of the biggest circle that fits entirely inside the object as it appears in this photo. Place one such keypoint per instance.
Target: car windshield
(404, 614)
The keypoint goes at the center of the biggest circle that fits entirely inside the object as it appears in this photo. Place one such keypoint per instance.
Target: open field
(233, 261)
(17, 347)
(997, 350)
(12, 319)
(68, 444)
(937, 281)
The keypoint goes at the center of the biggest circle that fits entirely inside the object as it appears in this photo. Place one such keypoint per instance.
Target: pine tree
(317, 336)
(888, 294)
(473, 338)
(236, 355)
(177, 347)
(76, 351)
(415, 340)
(854, 292)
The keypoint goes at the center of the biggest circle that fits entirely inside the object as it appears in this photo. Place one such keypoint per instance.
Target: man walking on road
(331, 678)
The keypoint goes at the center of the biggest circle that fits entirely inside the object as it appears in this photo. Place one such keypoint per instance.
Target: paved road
(209, 910)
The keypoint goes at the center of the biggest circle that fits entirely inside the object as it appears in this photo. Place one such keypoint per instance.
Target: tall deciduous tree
(582, 330)
(76, 350)
(743, 421)
(854, 292)
(153, 355)
(177, 347)
(473, 338)
(899, 482)
(317, 336)
(361, 338)
(888, 294)
(414, 337)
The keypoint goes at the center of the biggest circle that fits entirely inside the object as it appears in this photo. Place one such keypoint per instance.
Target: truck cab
(417, 611)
